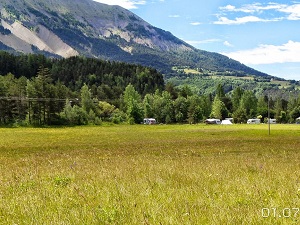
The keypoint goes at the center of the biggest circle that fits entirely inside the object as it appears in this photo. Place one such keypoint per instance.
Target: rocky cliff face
(24, 40)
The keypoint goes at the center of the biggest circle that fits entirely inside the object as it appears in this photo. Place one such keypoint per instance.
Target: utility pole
(269, 124)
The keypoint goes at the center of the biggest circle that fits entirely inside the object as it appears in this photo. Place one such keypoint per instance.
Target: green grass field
(163, 174)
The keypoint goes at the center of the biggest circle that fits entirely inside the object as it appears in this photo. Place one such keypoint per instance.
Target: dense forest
(107, 79)
(35, 90)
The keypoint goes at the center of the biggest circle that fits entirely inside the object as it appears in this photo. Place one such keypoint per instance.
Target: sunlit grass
(169, 174)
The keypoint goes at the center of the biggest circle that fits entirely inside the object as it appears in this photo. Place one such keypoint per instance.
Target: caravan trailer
(149, 121)
(213, 121)
(272, 121)
(253, 121)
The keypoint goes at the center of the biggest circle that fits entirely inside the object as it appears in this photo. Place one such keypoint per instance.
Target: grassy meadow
(139, 174)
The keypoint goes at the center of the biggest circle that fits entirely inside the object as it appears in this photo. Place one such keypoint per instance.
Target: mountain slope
(71, 27)
(22, 39)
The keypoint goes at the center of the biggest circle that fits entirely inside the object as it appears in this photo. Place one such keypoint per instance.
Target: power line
(36, 99)
(48, 99)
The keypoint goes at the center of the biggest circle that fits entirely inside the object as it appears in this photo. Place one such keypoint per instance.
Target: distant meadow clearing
(140, 174)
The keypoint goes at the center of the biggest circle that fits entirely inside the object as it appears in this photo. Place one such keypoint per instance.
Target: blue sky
(264, 35)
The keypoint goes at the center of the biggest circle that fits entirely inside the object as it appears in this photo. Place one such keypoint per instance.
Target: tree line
(175, 105)
(79, 91)
(106, 79)
(40, 101)
(34, 88)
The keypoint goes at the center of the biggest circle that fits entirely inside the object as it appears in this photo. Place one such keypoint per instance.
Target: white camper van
(253, 121)
(213, 121)
(272, 121)
(149, 121)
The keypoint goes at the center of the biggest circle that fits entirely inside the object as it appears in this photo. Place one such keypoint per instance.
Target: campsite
(140, 174)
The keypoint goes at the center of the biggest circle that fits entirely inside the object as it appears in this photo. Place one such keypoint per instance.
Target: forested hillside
(35, 90)
(204, 82)
(76, 71)
(42, 85)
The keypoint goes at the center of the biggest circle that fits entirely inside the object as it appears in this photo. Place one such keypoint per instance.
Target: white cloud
(226, 43)
(174, 16)
(293, 11)
(268, 54)
(265, 12)
(228, 8)
(207, 41)
(127, 4)
(231, 8)
(241, 20)
(252, 8)
(195, 23)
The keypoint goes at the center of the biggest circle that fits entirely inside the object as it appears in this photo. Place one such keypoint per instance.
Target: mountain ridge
(84, 27)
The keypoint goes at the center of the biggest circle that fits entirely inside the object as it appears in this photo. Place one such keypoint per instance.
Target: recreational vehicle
(272, 121)
(149, 121)
(253, 121)
(213, 121)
